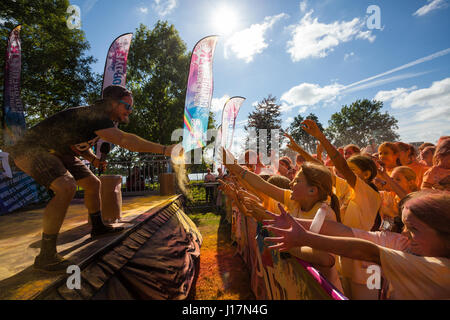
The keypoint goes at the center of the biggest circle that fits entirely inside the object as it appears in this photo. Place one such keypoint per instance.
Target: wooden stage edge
(20, 235)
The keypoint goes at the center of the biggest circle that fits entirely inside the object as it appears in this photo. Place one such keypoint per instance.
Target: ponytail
(377, 223)
(335, 206)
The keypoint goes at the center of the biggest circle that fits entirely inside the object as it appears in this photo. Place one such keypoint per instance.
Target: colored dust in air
(178, 163)
(223, 275)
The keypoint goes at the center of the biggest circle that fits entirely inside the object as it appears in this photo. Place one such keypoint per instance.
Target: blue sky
(314, 56)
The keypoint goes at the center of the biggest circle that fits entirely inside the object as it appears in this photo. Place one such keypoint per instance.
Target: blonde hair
(319, 176)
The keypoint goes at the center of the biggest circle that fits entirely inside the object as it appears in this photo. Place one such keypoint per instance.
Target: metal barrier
(204, 196)
(138, 177)
(142, 177)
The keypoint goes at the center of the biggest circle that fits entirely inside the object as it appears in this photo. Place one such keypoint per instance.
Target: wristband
(243, 173)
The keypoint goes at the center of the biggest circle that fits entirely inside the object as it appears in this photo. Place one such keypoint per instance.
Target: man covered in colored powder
(49, 153)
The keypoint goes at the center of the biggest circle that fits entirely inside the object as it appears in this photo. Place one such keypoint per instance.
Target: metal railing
(138, 177)
(203, 196)
(141, 177)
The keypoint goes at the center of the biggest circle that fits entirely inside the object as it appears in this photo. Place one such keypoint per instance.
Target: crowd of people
(385, 206)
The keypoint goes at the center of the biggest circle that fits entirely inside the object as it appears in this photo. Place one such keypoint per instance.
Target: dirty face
(388, 157)
(423, 240)
(122, 109)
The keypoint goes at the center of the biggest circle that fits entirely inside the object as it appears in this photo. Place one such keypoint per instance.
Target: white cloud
(390, 95)
(288, 121)
(348, 55)
(313, 39)
(431, 6)
(164, 7)
(434, 101)
(428, 131)
(308, 94)
(303, 6)
(251, 41)
(217, 105)
(143, 10)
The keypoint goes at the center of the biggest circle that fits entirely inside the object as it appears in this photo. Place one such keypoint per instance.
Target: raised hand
(291, 144)
(288, 232)
(320, 150)
(228, 158)
(311, 127)
(255, 209)
(282, 221)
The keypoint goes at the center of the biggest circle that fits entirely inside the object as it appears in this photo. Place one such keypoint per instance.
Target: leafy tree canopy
(56, 71)
(265, 116)
(306, 141)
(361, 122)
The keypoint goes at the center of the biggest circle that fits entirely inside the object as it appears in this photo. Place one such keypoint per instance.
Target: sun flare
(224, 19)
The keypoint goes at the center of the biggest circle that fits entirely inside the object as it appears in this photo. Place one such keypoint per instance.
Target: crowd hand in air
(320, 150)
(312, 129)
(292, 144)
(257, 211)
(227, 188)
(245, 194)
(230, 161)
(288, 232)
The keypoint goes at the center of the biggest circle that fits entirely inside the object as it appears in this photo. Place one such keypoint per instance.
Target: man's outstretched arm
(132, 142)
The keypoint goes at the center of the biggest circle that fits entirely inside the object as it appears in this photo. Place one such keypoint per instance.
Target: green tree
(56, 71)
(157, 71)
(360, 122)
(306, 141)
(158, 66)
(266, 116)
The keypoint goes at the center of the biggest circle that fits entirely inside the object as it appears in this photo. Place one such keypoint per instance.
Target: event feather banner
(116, 61)
(13, 117)
(115, 72)
(199, 94)
(229, 115)
(218, 143)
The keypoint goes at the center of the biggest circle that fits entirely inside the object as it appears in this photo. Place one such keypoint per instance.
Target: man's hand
(170, 149)
(99, 164)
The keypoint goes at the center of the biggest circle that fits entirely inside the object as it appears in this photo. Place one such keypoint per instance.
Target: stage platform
(106, 263)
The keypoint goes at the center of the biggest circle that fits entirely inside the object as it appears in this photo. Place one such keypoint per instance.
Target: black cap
(115, 92)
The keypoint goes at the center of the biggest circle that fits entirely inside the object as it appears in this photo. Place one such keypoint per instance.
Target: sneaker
(53, 263)
(105, 231)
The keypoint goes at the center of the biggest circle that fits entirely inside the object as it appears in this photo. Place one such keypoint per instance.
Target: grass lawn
(223, 275)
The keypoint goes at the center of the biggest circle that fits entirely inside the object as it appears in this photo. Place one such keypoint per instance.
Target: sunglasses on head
(127, 105)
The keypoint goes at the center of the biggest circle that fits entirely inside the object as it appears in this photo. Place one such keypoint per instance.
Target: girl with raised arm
(417, 267)
(362, 209)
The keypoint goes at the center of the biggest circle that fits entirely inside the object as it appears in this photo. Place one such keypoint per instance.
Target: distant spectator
(209, 177)
(426, 156)
(350, 150)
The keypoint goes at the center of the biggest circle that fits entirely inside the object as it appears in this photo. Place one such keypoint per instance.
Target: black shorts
(45, 166)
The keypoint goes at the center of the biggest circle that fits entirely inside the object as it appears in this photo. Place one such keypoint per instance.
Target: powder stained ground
(223, 274)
